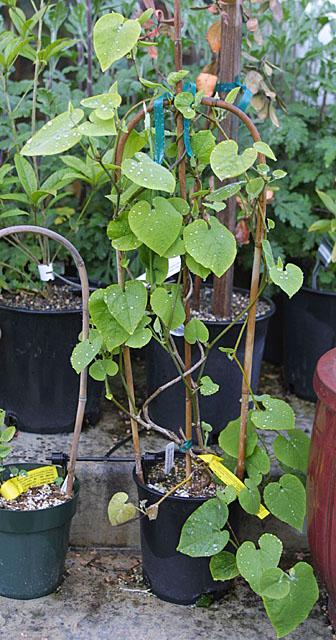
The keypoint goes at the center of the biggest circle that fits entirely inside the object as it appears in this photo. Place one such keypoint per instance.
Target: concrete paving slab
(103, 599)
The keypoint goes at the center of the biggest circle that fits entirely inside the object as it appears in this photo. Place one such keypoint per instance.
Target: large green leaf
(202, 144)
(104, 103)
(249, 497)
(286, 500)
(157, 227)
(127, 306)
(210, 517)
(229, 438)
(223, 566)
(26, 174)
(227, 163)
(286, 614)
(289, 279)
(114, 37)
(84, 352)
(167, 305)
(258, 463)
(141, 335)
(293, 450)
(56, 136)
(142, 170)
(111, 331)
(277, 415)
(211, 245)
(274, 583)
(195, 331)
(252, 562)
(120, 233)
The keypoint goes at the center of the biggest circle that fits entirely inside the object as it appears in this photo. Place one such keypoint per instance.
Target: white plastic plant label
(174, 266)
(46, 272)
(169, 457)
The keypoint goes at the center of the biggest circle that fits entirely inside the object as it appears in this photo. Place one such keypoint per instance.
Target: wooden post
(228, 69)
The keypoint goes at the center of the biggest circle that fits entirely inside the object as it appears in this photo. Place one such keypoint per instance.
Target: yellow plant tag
(12, 488)
(229, 478)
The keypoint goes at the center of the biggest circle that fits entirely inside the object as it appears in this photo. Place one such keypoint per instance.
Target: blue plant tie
(224, 87)
(191, 88)
(159, 128)
(185, 446)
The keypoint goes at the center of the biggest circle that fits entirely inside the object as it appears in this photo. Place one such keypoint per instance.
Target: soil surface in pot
(201, 485)
(49, 495)
(52, 298)
(240, 301)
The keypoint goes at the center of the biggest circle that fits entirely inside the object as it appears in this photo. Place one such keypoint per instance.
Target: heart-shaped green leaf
(100, 369)
(213, 246)
(127, 306)
(7, 434)
(208, 387)
(56, 136)
(286, 614)
(278, 414)
(274, 583)
(110, 330)
(120, 233)
(195, 331)
(265, 149)
(258, 463)
(252, 562)
(114, 37)
(84, 352)
(210, 517)
(202, 144)
(293, 450)
(227, 163)
(104, 103)
(167, 305)
(119, 510)
(249, 497)
(156, 227)
(289, 279)
(286, 500)
(142, 170)
(141, 336)
(223, 566)
(229, 438)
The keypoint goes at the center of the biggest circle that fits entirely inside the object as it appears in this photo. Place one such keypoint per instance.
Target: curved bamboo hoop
(251, 322)
(79, 262)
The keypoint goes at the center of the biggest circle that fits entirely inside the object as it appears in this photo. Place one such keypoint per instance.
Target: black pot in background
(274, 340)
(168, 408)
(309, 331)
(38, 386)
(171, 575)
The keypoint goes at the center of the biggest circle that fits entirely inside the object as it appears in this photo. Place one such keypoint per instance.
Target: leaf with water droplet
(56, 136)
(114, 37)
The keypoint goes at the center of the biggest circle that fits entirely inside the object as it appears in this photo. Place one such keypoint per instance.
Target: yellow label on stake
(13, 488)
(229, 478)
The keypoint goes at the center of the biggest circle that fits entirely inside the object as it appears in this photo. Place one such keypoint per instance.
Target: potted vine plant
(184, 503)
(37, 503)
(40, 313)
(310, 328)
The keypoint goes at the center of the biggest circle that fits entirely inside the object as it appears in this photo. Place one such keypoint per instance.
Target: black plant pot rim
(318, 292)
(173, 498)
(259, 318)
(41, 312)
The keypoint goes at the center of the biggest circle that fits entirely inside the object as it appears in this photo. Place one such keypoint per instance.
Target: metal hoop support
(261, 215)
(79, 262)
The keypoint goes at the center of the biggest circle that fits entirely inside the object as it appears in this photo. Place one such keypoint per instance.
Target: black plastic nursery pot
(38, 386)
(274, 339)
(169, 407)
(309, 332)
(171, 575)
(33, 546)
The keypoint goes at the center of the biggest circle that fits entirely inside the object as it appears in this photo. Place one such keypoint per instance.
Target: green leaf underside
(119, 510)
(252, 562)
(289, 612)
(114, 37)
(56, 136)
(227, 163)
(223, 566)
(210, 517)
(157, 226)
(213, 246)
(286, 500)
(208, 387)
(142, 170)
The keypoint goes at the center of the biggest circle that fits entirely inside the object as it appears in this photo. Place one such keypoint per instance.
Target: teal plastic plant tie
(185, 446)
(223, 87)
(159, 128)
(191, 88)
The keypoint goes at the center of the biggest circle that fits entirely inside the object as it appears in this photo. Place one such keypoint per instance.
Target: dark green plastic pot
(33, 547)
